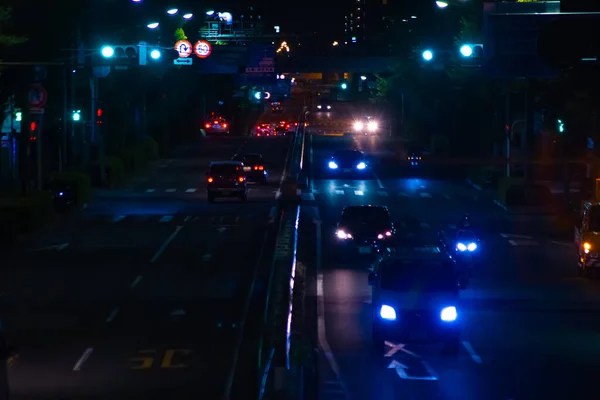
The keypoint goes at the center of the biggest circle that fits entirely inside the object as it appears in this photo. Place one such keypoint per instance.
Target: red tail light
(258, 127)
(210, 180)
(295, 124)
(216, 122)
(224, 125)
(207, 125)
(241, 179)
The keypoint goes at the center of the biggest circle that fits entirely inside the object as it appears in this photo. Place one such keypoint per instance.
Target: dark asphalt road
(530, 325)
(142, 294)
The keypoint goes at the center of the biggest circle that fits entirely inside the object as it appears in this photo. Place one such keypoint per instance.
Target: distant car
(226, 179)
(217, 125)
(323, 105)
(348, 161)
(364, 227)
(276, 107)
(366, 126)
(263, 130)
(254, 167)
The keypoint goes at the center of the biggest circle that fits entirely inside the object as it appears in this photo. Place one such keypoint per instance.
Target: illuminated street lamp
(172, 11)
(155, 54)
(188, 16)
(136, 1)
(152, 25)
(441, 4)
(427, 55)
(209, 13)
(107, 51)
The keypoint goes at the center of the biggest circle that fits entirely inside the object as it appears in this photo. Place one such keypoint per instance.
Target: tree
(7, 39)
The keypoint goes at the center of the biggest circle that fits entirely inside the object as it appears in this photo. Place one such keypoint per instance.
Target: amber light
(210, 180)
(259, 168)
(241, 179)
(216, 122)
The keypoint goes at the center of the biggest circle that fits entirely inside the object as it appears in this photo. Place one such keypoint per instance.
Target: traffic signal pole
(95, 129)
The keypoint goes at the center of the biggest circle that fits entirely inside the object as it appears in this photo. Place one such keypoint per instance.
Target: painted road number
(172, 358)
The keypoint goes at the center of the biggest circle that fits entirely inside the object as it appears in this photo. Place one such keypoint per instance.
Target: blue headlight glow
(61, 193)
(448, 314)
(332, 165)
(387, 312)
(472, 246)
(466, 247)
(361, 165)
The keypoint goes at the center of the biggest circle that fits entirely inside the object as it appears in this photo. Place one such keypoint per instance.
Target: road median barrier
(22, 215)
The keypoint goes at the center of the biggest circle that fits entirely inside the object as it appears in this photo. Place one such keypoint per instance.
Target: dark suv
(226, 179)
(254, 167)
(363, 227)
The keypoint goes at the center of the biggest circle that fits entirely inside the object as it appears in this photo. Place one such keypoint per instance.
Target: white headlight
(329, 107)
(332, 165)
(358, 126)
(361, 165)
(461, 247)
(472, 247)
(449, 314)
(319, 107)
(372, 126)
(387, 312)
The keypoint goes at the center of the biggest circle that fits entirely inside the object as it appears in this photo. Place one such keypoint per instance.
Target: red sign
(37, 96)
(202, 49)
(183, 48)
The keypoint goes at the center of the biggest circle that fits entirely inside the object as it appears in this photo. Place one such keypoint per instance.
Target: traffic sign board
(183, 61)
(36, 110)
(183, 48)
(38, 96)
(202, 49)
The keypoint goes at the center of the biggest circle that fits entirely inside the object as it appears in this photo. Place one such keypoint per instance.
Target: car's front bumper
(417, 326)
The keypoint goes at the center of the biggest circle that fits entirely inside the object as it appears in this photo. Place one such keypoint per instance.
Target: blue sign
(260, 64)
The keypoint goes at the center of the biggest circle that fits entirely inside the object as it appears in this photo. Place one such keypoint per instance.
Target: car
(348, 161)
(216, 125)
(416, 300)
(285, 127)
(414, 159)
(254, 167)
(365, 227)
(366, 126)
(276, 107)
(263, 130)
(323, 105)
(226, 179)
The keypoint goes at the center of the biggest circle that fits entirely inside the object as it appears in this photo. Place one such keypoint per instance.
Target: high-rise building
(368, 24)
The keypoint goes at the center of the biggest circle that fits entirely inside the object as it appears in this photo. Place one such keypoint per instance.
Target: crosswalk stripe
(190, 190)
(150, 190)
(171, 190)
(359, 192)
(340, 192)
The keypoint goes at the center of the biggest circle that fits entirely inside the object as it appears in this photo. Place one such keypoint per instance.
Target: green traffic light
(561, 126)
(18, 116)
(344, 86)
(258, 95)
(76, 116)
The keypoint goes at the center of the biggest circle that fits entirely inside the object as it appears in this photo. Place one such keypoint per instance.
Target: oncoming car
(347, 161)
(416, 300)
(366, 126)
(362, 227)
(323, 105)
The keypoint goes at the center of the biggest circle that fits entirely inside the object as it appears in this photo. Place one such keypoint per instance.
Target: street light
(441, 4)
(466, 50)
(188, 16)
(427, 55)
(152, 25)
(136, 1)
(209, 13)
(172, 11)
(155, 54)
(107, 51)
(363, 78)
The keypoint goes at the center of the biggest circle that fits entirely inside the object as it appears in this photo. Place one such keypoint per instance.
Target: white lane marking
(340, 192)
(150, 190)
(113, 314)
(502, 206)
(310, 151)
(472, 353)
(425, 225)
(523, 242)
(186, 219)
(86, 354)
(511, 236)
(272, 213)
(447, 197)
(425, 195)
(166, 218)
(382, 193)
(191, 190)
(396, 347)
(171, 190)
(307, 196)
(165, 245)
(477, 187)
(118, 218)
(321, 331)
(379, 183)
(136, 281)
(359, 193)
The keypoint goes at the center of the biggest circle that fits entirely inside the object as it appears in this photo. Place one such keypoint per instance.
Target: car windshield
(366, 215)
(347, 155)
(224, 169)
(252, 159)
(418, 276)
(594, 219)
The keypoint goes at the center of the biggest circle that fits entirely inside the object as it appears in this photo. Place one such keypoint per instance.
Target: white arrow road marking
(86, 354)
(401, 371)
(396, 348)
